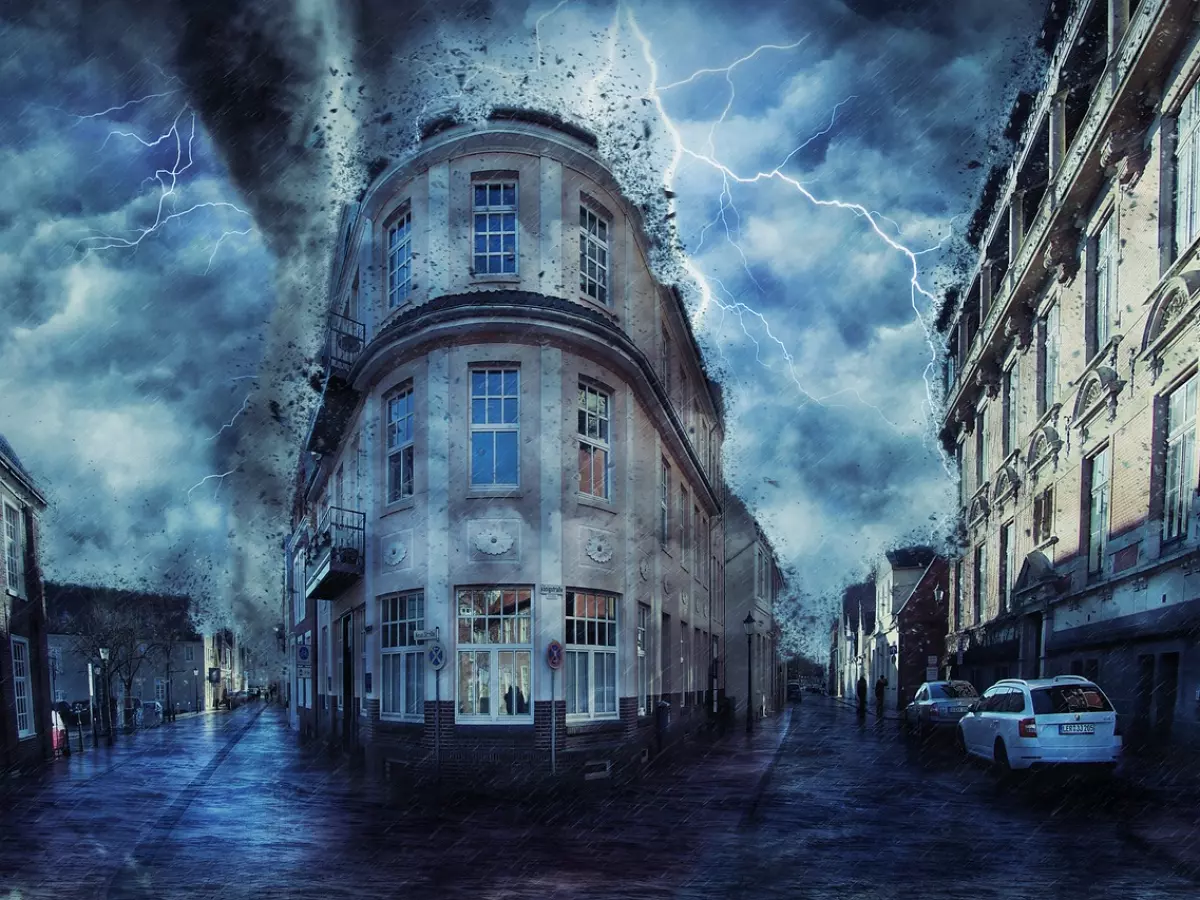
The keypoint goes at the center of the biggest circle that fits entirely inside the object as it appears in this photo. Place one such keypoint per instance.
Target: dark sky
(164, 257)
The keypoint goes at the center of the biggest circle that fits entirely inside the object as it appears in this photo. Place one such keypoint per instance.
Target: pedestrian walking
(862, 695)
(880, 690)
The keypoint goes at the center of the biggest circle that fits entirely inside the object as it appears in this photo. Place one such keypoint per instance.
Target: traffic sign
(931, 673)
(427, 634)
(302, 653)
(554, 655)
(435, 653)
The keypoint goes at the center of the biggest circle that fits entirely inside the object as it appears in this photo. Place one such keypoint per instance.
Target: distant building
(25, 699)
(857, 625)
(920, 633)
(1071, 378)
(896, 574)
(753, 582)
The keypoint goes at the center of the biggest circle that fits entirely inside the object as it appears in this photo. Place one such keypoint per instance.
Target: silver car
(939, 705)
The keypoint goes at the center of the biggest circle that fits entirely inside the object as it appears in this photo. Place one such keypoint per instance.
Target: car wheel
(1000, 757)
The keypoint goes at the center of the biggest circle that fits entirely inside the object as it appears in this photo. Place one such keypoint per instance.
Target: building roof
(9, 457)
(68, 604)
(911, 557)
(858, 601)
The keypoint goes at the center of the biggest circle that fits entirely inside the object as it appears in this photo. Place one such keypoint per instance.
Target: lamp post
(107, 705)
(196, 690)
(749, 624)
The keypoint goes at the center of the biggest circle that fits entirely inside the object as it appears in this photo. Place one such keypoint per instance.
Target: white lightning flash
(220, 480)
(168, 180)
(229, 424)
(707, 298)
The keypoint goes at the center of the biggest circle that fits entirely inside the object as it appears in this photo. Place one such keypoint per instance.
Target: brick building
(517, 444)
(1071, 376)
(25, 698)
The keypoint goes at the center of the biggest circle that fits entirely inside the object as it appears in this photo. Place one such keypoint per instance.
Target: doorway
(1032, 647)
(347, 692)
(1143, 699)
(1166, 691)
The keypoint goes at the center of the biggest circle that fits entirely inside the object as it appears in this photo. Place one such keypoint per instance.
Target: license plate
(1077, 728)
(957, 710)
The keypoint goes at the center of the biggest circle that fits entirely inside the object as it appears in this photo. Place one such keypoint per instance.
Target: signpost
(554, 659)
(435, 655)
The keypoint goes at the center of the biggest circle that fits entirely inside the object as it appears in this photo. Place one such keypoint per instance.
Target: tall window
(1098, 472)
(664, 504)
(591, 664)
(299, 600)
(22, 687)
(1187, 171)
(495, 439)
(160, 690)
(401, 657)
(702, 547)
(685, 529)
(495, 656)
(189, 653)
(14, 549)
(1007, 565)
(1104, 291)
(664, 359)
(1180, 460)
(958, 580)
(962, 475)
(399, 260)
(593, 256)
(1011, 408)
(594, 442)
(400, 444)
(1043, 516)
(1048, 349)
(495, 228)
(979, 588)
(643, 662)
(981, 447)
(685, 667)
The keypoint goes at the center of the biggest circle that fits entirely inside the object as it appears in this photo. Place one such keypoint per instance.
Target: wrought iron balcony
(336, 553)
(344, 341)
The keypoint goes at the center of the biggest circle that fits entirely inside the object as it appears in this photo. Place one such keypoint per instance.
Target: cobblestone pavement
(226, 805)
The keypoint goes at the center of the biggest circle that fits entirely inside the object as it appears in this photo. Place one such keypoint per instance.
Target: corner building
(1071, 378)
(516, 444)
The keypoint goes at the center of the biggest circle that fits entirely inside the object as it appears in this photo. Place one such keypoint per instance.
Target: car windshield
(952, 691)
(1069, 698)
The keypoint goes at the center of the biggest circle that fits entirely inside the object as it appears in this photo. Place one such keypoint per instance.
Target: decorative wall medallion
(493, 540)
(666, 587)
(599, 548)
(644, 569)
(395, 550)
(683, 601)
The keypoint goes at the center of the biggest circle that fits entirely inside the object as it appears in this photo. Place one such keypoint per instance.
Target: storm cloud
(136, 377)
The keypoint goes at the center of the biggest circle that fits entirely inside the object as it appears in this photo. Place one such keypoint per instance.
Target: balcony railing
(336, 553)
(344, 342)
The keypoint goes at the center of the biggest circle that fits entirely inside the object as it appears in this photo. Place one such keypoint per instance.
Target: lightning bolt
(220, 480)
(168, 180)
(680, 150)
(229, 424)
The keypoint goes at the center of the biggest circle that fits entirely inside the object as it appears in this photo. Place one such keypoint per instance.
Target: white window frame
(400, 415)
(14, 549)
(399, 260)
(594, 428)
(1104, 288)
(664, 505)
(494, 222)
(402, 657)
(642, 643)
(189, 653)
(982, 463)
(521, 633)
(685, 529)
(1050, 353)
(26, 720)
(299, 588)
(1179, 475)
(685, 667)
(494, 428)
(594, 232)
(1012, 407)
(591, 641)
(979, 583)
(1008, 559)
(160, 691)
(1099, 477)
(1187, 171)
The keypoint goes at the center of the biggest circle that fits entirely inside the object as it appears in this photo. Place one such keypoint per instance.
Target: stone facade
(517, 444)
(1070, 390)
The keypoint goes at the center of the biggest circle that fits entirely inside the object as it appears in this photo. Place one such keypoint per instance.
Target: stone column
(1058, 132)
(1118, 21)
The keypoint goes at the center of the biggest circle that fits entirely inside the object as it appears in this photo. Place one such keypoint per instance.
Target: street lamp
(107, 705)
(196, 690)
(749, 624)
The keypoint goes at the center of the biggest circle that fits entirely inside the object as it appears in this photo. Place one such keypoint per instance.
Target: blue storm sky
(122, 364)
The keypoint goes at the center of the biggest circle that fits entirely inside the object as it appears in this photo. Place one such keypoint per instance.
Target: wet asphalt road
(815, 805)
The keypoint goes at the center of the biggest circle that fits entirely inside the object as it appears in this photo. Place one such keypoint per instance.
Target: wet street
(226, 805)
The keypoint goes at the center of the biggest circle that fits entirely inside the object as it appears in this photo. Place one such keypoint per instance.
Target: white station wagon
(1019, 723)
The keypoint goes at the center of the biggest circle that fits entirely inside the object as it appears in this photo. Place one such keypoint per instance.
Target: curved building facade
(516, 445)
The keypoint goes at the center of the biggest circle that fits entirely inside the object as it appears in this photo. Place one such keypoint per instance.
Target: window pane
(483, 458)
(506, 457)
